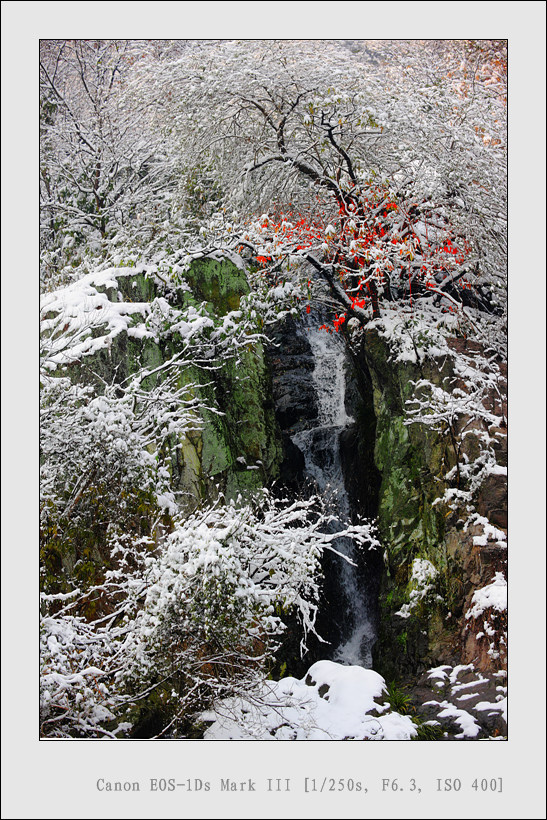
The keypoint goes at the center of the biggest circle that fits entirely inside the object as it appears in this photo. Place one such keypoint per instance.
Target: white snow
(422, 579)
(492, 596)
(439, 672)
(490, 533)
(332, 702)
(469, 726)
(73, 313)
(500, 706)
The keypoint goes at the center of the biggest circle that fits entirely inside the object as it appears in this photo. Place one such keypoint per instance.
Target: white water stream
(321, 449)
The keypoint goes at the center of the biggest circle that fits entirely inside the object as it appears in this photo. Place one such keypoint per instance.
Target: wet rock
(291, 470)
(291, 364)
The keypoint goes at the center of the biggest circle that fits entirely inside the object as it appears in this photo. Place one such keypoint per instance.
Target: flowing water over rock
(320, 446)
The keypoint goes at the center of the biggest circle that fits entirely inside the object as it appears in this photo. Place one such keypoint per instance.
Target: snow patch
(332, 702)
(492, 596)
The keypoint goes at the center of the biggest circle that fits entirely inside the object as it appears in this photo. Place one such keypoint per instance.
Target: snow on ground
(332, 702)
(499, 707)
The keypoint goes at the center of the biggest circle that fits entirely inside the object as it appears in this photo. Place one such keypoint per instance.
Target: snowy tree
(386, 175)
(104, 171)
(108, 440)
(381, 163)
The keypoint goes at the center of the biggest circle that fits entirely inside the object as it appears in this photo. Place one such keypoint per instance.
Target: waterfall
(320, 446)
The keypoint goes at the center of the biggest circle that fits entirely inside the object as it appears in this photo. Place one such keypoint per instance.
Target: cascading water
(321, 449)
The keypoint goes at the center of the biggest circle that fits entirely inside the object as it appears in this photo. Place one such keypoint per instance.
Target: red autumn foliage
(372, 247)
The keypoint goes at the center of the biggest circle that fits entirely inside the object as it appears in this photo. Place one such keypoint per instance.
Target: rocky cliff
(437, 554)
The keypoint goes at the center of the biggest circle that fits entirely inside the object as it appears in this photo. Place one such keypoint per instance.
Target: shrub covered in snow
(196, 619)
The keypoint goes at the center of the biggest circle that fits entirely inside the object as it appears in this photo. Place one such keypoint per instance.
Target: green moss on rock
(411, 460)
(218, 281)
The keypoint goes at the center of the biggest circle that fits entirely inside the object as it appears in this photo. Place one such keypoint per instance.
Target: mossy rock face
(241, 390)
(236, 452)
(411, 460)
(134, 288)
(242, 448)
(218, 281)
